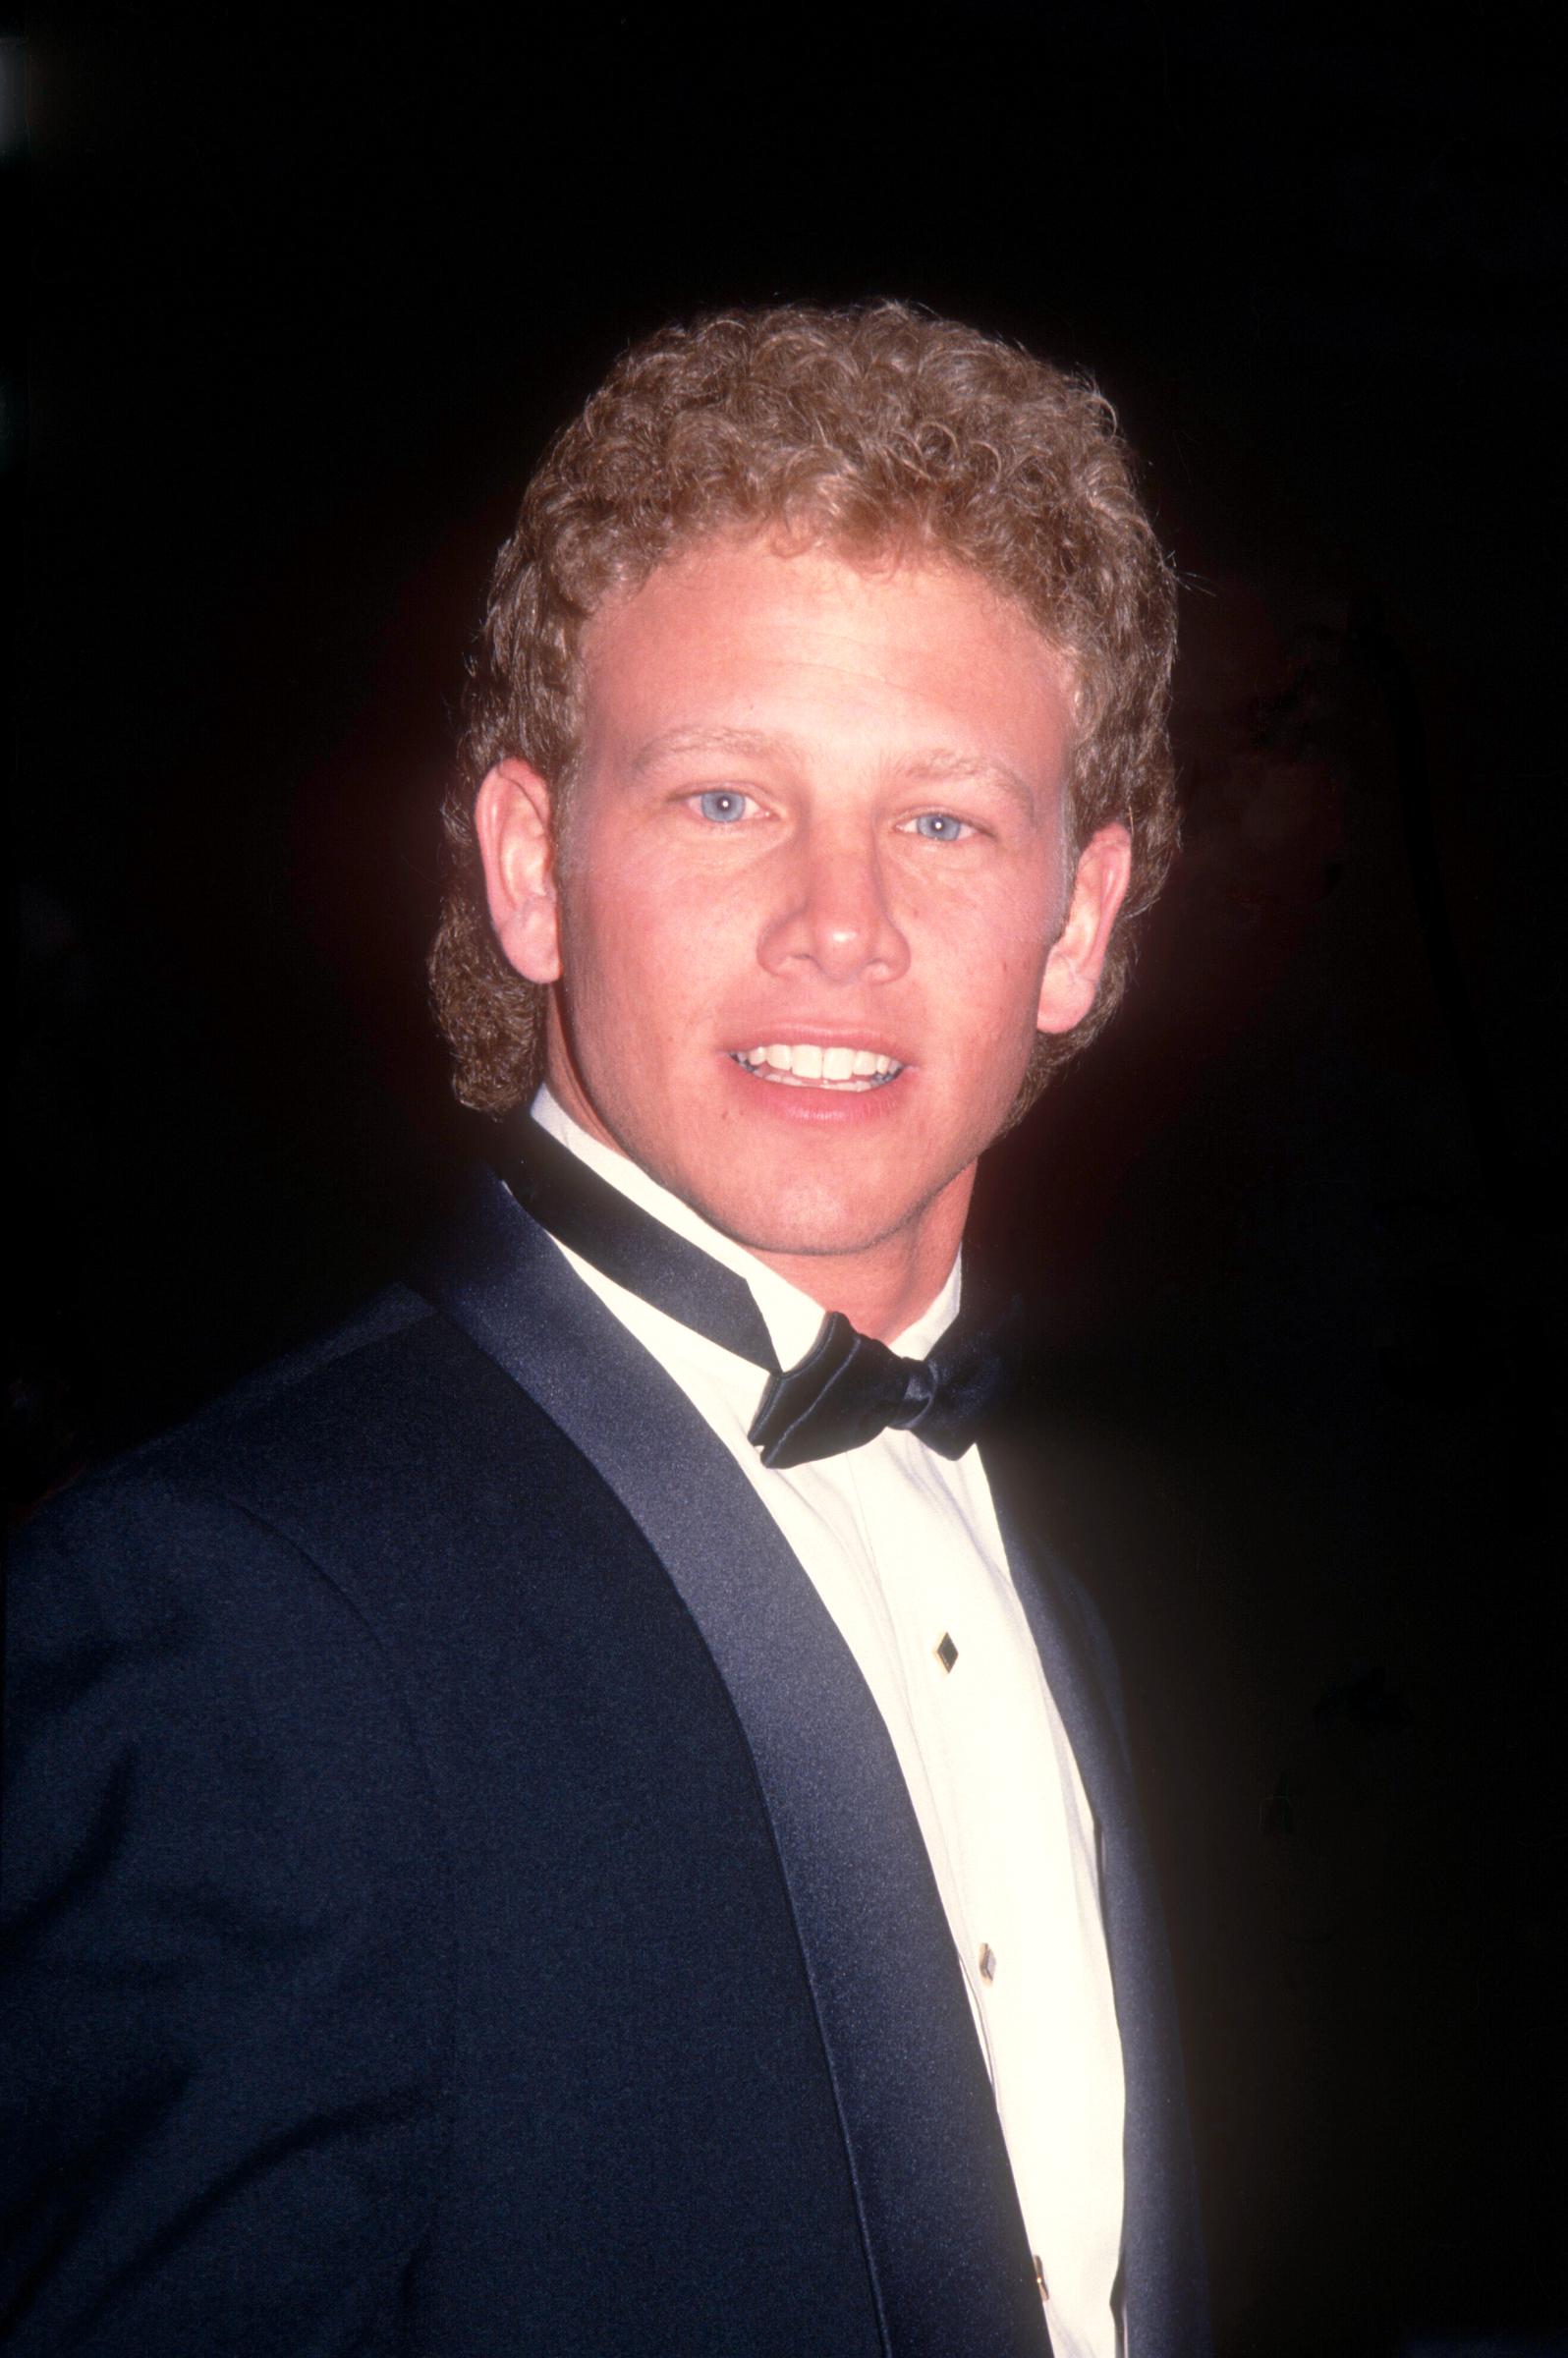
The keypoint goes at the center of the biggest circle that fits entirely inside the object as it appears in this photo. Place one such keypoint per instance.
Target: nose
(832, 916)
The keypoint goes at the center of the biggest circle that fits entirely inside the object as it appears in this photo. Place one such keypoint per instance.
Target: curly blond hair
(877, 430)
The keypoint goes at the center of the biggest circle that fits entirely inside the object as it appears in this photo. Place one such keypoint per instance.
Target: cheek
(995, 977)
(1005, 906)
(627, 960)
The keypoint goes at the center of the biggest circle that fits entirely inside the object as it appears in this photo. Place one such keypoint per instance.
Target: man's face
(817, 814)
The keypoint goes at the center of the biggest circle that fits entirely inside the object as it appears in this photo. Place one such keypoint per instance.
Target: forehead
(746, 632)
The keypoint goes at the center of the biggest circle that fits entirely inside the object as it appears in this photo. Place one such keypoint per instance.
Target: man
(560, 1820)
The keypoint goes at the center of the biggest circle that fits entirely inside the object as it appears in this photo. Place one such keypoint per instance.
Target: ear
(1078, 954)
(512, 819)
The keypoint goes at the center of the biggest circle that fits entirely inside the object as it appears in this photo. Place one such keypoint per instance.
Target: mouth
(846, 1071)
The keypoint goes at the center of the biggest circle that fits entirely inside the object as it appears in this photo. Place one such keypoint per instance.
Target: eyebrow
(751, 745)
(939, 763)
(945, 766)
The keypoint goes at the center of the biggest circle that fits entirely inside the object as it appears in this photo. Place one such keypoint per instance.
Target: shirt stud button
(946, 1652)
(987, 1962)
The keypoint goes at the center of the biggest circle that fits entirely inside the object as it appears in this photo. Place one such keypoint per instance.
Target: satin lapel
(1164, 2301)
(944, 2240)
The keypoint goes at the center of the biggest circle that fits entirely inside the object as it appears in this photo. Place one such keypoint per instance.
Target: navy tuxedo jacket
(461, 1898)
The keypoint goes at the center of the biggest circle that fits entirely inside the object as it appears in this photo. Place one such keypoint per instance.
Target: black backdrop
(306, 302)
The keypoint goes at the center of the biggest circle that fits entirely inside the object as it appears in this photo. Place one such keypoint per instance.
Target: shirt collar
(791, 1316)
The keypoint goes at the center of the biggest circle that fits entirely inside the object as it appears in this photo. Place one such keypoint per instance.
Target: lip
(818, 1108)
(802, 1033)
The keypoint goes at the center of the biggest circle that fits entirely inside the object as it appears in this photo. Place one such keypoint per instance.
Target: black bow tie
(847, 1389)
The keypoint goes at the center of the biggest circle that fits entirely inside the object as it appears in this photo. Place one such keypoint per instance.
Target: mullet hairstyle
(877, 432)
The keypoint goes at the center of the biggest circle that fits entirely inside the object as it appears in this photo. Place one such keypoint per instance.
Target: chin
(808, 1220)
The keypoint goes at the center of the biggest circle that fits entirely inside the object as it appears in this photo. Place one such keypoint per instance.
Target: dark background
(303, 306)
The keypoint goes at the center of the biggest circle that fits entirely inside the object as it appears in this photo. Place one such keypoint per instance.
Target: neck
(883, 1288)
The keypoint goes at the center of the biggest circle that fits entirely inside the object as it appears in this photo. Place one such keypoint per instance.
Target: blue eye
(722, 804)
(939, 826)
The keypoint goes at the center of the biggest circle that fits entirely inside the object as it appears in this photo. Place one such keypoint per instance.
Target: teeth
(806, 1062)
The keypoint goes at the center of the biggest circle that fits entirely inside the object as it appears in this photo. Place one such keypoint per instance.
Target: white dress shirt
(902, 1546)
